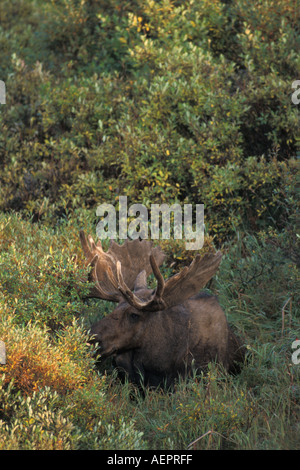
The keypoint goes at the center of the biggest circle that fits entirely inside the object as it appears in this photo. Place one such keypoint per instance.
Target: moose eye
(134, 316)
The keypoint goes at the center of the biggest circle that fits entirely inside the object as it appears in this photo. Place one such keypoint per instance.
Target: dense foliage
(161, 101)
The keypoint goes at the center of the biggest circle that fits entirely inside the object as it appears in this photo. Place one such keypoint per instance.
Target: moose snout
(98, 336)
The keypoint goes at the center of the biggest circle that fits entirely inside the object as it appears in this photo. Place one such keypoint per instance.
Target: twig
(283, 314)
(208, 433)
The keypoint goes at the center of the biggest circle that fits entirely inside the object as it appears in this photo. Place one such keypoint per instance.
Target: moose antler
(120, 272)
(155, 302)
(134, 257)
(178, 288)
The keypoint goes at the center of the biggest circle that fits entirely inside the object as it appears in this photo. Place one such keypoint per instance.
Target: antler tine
(160, 280)
(88, 244)
(126, 292)
(156, 299)
(103, 293)
(84, 243)
(107, 288)
(95, 246)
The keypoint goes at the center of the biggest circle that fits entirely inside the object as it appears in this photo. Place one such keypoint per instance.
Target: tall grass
(54, 396)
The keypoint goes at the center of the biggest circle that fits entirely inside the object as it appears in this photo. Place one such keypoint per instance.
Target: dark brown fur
(157, 347)
(155, 336)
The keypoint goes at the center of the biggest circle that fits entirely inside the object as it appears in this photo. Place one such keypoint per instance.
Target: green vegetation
(162, 101)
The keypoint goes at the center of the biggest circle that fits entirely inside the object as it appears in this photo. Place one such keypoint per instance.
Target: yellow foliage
(35, 361)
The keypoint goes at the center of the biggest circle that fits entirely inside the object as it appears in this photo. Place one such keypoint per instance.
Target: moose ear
(141, 281)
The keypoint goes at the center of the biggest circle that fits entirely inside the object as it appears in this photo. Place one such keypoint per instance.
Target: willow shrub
(156, 101)
(52, 396)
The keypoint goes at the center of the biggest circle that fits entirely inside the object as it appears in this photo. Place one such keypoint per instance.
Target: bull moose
(157, 335)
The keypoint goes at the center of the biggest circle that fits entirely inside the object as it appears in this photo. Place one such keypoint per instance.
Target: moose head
(156, 335)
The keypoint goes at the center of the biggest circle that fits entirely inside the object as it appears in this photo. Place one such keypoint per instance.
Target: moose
(156, 335)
